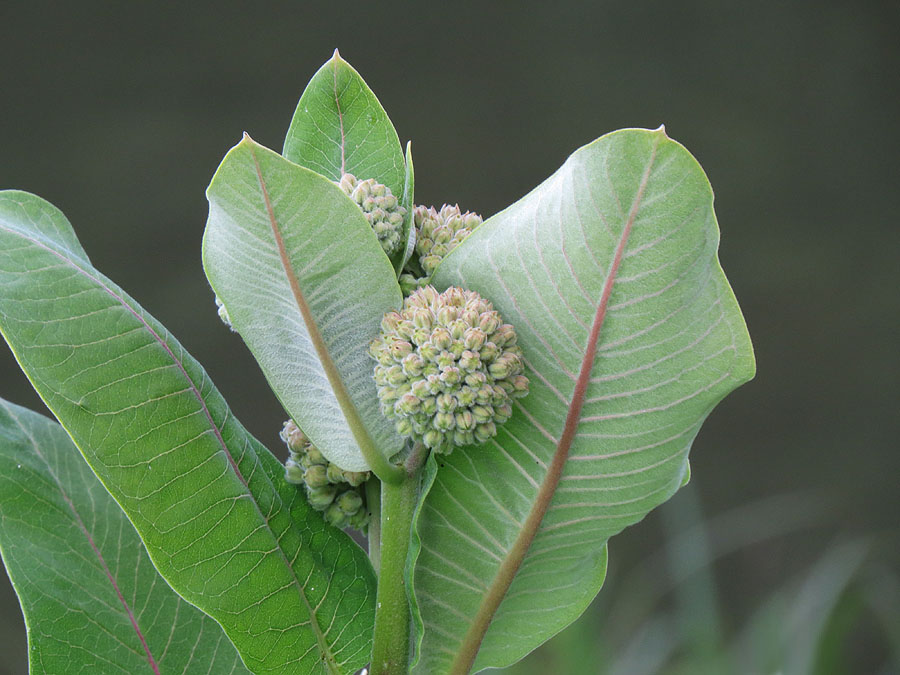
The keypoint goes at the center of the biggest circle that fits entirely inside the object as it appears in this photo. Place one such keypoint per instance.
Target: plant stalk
(391, 642)
(373, 502)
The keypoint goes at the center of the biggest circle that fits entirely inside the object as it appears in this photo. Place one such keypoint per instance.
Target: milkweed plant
(488, 401)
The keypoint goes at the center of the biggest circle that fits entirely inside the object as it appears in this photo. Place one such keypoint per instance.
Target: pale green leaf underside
(342, 272)
(409, 227)
(672, 343)
(93, 602)
(209, 502)
(340, 127)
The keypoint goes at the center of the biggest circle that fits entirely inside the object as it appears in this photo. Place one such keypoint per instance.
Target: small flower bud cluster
(439, 232)
(338, 494)
(380, 207)
(448, 368)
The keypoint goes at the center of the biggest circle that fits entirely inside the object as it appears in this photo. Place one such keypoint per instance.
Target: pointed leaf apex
(661, 129)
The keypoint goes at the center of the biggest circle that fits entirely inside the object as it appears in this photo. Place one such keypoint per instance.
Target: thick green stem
(390, 651)
(373, 503)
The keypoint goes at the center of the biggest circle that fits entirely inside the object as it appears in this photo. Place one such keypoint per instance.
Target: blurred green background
(782, 555)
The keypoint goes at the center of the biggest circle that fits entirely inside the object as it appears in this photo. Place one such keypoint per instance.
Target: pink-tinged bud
(450, 375)
(474, 339)
(441, 338)
(432, 438)
(466, 397)
(465, 420)
(444, 421)
(520, 386)
(482, 413)
(488, 322)
(412, 365)
(499, 369)
(405, 329)
(422, 318)
(447, 315)
(429, 351)
(458, 329)
(502, 413)
(485, 431)
(445, 402)
(469, 361)
(499, 336)
(407, 405)
(429, 405)
(445, 359)
(389, 322)
(489, 352)
(400, 349)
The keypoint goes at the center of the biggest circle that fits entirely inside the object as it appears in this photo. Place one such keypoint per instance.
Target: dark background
(119, 113)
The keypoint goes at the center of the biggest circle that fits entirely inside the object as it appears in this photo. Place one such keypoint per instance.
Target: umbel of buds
(338, 494)
(439, 232)
(448, 368)
(380, 207)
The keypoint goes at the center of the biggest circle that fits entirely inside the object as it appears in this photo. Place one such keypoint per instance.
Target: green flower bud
(380, 207)
(293, 472)
(316, 476)
(349, 502)
(335, 515)
(338, 494)
(320, 497)
(334, 474)
(439, 232)
(454, 383)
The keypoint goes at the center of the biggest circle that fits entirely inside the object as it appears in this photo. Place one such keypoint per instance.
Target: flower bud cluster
(439, 232)
(448, 368)
(380, 207)
(338, 494)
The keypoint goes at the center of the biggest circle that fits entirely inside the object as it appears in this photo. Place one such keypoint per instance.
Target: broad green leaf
(306, 285)
(340, 127)
(409, 227)
(631, 334)
(209, 502)
(93, 602)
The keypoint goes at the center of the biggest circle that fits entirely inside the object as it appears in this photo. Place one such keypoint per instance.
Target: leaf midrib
(328, 656)
(80, 523)
(495, 593)
(383, 469)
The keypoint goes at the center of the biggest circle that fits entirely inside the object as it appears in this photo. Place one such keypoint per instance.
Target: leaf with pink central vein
(92, 600)
(210, 503)
(609, 272)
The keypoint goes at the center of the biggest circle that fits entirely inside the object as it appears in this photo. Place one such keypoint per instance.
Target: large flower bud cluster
(439, 232)
(380, 207)
(338, 494)
(448, 368)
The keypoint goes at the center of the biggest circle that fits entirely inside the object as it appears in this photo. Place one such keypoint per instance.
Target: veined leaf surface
(306, 284)
(340, 127)
(631, 334)
(210, 503)
(92, 600)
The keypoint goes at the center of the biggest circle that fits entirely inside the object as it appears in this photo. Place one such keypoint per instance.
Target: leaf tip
(661, 130)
